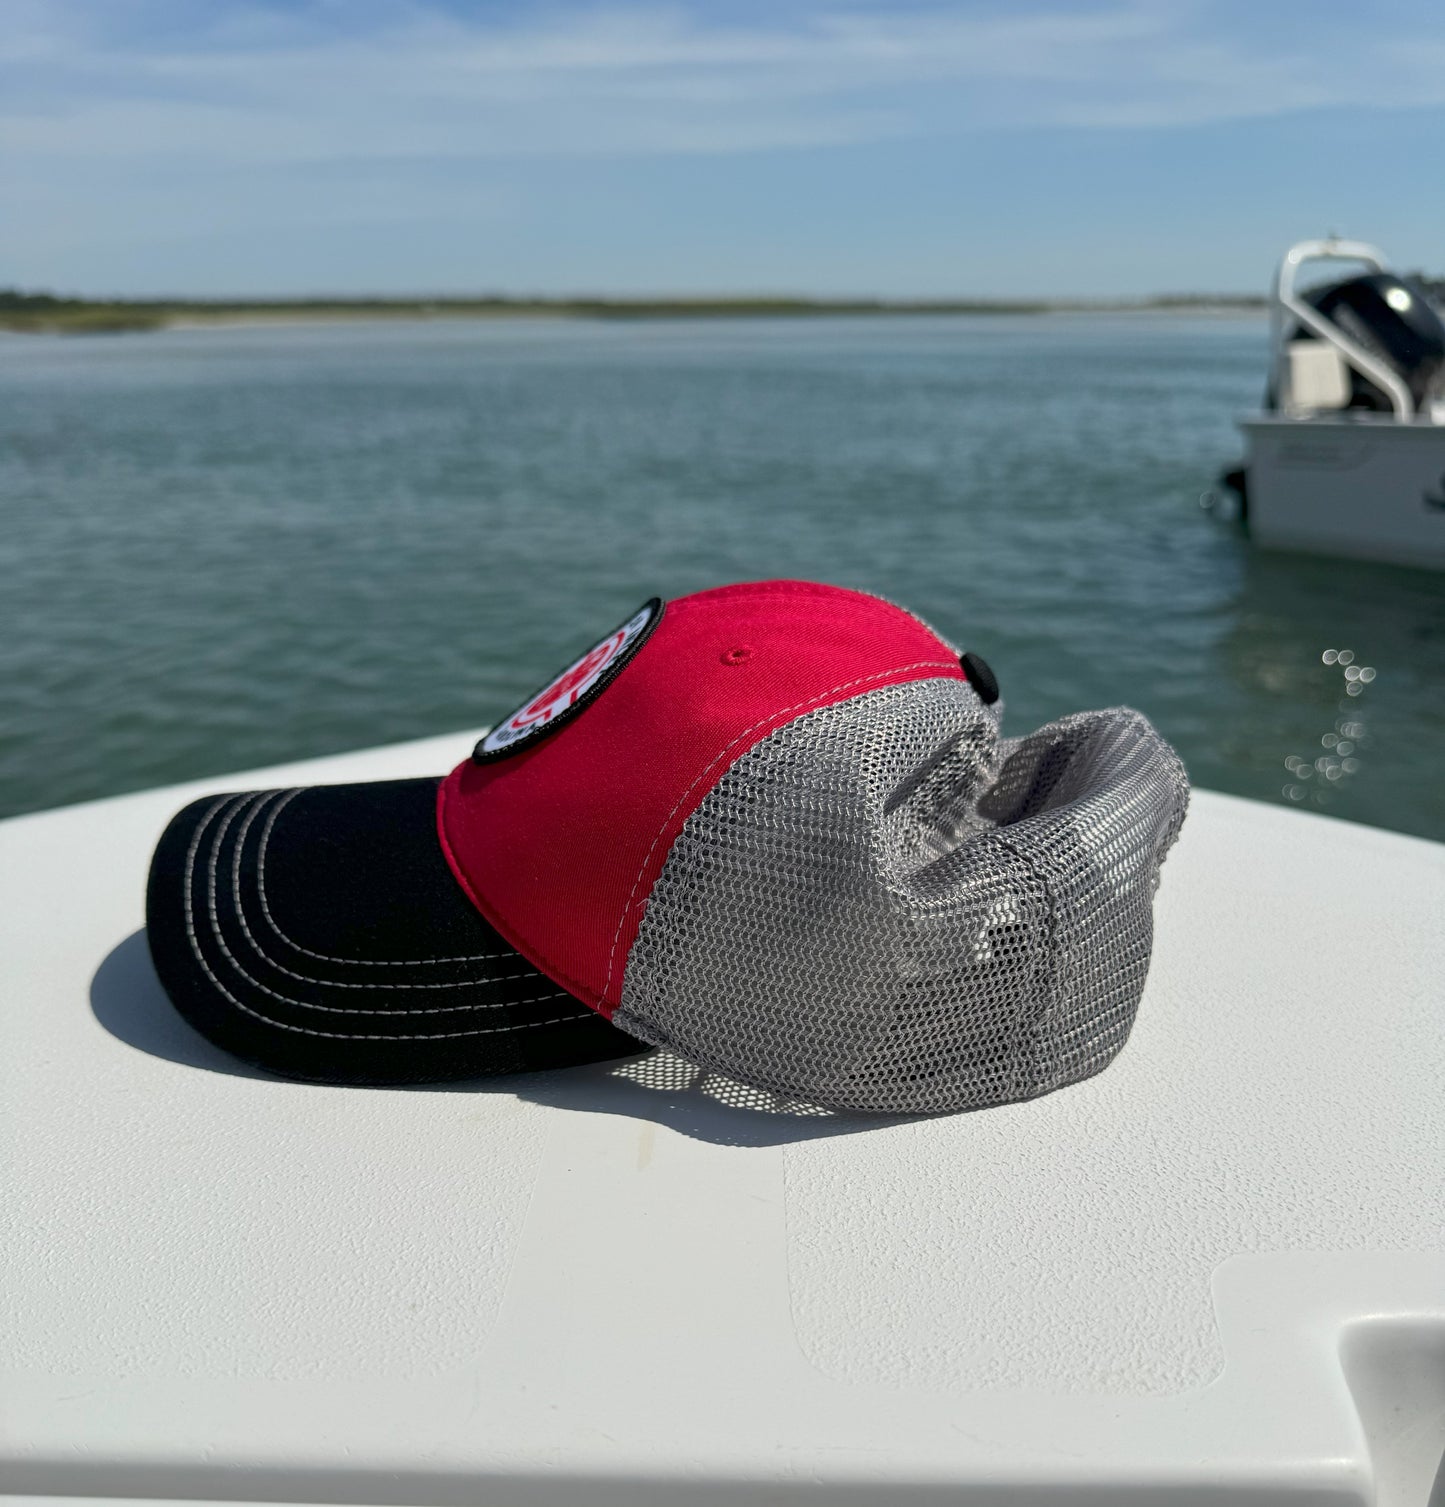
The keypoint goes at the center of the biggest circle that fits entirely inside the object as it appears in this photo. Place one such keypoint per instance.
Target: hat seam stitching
(326, 957)
(303, 1004)
(237, 901)
(1046, 970)
(722, 754)
(305, 1030)
(325, 983)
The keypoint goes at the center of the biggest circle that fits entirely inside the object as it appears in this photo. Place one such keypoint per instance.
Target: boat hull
(1361, 489)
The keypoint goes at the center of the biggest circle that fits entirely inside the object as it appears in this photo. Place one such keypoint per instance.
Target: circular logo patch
(576, 687)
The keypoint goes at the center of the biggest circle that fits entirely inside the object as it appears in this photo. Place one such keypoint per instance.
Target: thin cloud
(258, 86)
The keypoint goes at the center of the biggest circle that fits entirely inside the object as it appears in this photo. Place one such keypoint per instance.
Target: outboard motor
(1392, 319)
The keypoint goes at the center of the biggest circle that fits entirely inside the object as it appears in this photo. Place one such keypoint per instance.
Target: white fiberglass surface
(1274, 1099)
(201, 1220)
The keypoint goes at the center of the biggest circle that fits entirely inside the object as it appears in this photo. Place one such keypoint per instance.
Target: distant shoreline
(47, 315)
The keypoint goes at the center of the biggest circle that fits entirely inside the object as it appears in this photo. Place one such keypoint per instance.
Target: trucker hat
(772, 827)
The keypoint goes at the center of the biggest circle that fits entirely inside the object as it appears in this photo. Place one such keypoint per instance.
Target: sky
(826, 147)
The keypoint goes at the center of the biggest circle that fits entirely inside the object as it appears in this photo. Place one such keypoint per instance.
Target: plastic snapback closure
(980, 677)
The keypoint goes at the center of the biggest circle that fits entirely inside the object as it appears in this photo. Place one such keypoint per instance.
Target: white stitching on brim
(188, 913)
(304, 1004)
(325, 957)
(236, 900)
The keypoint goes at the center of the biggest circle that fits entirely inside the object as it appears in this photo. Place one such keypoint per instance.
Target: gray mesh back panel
(883, 907)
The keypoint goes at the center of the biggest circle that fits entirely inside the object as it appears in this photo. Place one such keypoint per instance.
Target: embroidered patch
(575, 688)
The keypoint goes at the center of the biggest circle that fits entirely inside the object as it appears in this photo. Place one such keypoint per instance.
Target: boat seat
(1319, 379)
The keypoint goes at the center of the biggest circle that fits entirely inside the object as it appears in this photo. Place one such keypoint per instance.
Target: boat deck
(1214, 1272)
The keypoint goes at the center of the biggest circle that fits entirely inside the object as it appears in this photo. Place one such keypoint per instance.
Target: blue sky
(969, 148)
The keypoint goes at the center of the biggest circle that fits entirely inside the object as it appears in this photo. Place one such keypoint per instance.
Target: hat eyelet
(736, 656)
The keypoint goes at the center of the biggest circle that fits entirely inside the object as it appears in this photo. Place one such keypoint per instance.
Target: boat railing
(1287, 305)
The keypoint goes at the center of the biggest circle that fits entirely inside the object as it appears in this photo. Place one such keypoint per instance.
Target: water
(228, 547)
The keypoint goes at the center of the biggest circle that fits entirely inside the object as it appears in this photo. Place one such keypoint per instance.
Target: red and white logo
(578, 683)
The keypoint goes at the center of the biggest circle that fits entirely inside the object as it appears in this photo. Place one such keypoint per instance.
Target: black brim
(320, 934)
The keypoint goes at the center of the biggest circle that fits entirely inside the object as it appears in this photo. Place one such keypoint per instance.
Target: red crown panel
(560, 844)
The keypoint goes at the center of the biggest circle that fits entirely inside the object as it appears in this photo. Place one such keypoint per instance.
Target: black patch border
(658, 606)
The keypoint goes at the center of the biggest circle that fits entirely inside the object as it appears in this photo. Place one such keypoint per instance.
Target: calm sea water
(229, 547)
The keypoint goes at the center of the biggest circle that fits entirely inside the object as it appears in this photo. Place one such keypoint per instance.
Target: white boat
(1348, 456)
(1213, 1273)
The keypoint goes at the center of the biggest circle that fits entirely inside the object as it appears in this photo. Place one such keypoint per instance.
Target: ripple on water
(231, 547)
